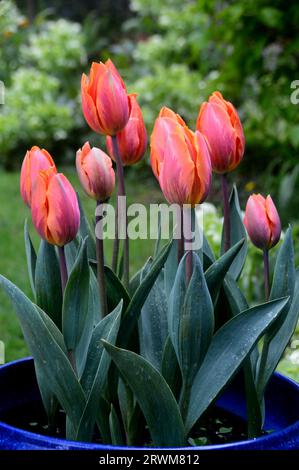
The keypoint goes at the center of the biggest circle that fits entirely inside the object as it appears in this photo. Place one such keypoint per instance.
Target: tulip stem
(122, 192)
(63, 267)
(101, 262)
(226, 212)
(266, 274)
(115, 243)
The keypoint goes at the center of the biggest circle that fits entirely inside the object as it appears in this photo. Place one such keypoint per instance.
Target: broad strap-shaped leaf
(31, 257)
(229, 347)
(281, 339)
(153, 325)
(115, 428)
(237, 233)
(171, 369)
(153, 395)
(255, 407)
(171, 267)
(158, 241)
(190, 318)
(48, 354)
(75, 302)
(103, 330)
(95, 374)
(207, 252)
(115, 290)
(71, 251)
(284, 277)
(94, 315)
(85, 230)
(216, 272)
(48, 282)
(133, 311)
(49, 400)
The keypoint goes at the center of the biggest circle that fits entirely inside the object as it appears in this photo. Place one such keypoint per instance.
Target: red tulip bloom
(262, 221)
(180, 160)
(105, 102)
(132, 140)
(35, 160)
(54, 208)
(95, 172)
(218, 120)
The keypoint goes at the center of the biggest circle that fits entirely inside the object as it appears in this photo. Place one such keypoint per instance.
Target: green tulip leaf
(153, 395)
(115, 428)
(48, 282)
(153, 326)
(229, 347)
(86, 231)
(215, 274)
(95, 374)
(238, 232)
(133, 311)
(47, 353)
(276, 344)
(190, 318)
(31, 257)
(115, 290)
(75, 302)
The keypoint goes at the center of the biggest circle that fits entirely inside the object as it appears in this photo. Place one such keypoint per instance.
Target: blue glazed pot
(18, 387)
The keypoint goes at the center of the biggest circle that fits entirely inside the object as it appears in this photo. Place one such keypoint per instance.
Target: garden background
(171, 53)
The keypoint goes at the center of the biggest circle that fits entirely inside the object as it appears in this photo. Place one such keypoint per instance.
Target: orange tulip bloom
(54, 208)
(95, 172)
(262, 221)
(218, 120)
(132, 140)
(105, 102)
(180, 160)
(35, 160)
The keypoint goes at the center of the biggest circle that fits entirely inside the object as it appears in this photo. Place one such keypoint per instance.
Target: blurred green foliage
(40, 69)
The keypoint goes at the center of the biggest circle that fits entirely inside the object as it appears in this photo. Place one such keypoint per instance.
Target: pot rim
(92, 446)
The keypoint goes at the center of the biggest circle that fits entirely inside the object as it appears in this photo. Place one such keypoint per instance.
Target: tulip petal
(63, 215)
(274, 221)
(256, 221)
(88, 107)
(112, 103)
(177, 171)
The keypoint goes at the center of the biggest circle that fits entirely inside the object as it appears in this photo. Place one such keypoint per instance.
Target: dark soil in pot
(217, 427)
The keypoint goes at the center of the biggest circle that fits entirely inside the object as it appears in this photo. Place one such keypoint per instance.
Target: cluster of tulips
(122, 354)
(181, 160)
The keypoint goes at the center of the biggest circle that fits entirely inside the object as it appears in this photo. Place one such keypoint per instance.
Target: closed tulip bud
(218, 120)
(95, 172)
(54, 208)
(262, 221)
(132, 140)
(105, 102)
(180, 160)
(35, 160)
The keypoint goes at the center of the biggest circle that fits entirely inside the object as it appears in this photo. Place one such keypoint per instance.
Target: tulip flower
(105, 103)
(132, 140)
(180, 160)
(218, 120)
(95, 172)
(262, 221)
(35, 160)
(54, 208)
